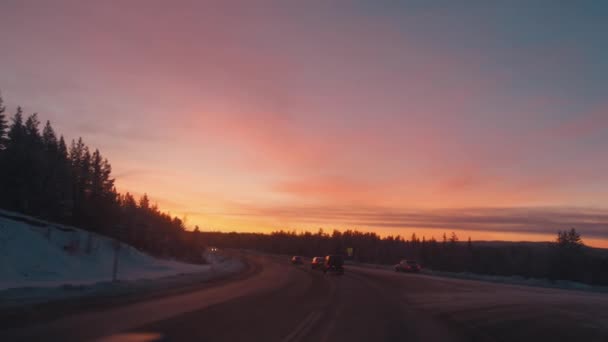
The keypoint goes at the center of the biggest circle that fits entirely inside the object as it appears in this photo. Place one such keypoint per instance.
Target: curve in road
(287, 303)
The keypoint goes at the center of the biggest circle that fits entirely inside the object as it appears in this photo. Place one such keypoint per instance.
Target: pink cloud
(332, 107)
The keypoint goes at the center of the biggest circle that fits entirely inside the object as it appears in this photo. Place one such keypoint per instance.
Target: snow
(39, 254)
(519, 280)
(507, 280)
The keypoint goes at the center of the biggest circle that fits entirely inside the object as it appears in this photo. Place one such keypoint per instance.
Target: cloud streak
(592, 222)
(317, 113)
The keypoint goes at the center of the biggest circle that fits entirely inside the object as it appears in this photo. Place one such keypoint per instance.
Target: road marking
(332, 322)
(303, 328)
(132, 337)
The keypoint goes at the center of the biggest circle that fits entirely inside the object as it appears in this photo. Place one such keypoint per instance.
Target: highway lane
(101, 319)
(311, 306)
(289, 303)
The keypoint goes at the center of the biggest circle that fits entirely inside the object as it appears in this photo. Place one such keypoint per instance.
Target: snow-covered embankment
(37, 255)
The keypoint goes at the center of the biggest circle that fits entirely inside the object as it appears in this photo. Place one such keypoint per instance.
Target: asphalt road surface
(277, 301)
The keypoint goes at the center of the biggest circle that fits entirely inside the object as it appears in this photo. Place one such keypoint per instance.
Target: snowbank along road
(282, 302)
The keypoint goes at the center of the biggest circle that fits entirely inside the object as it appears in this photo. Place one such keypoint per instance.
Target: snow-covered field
(512, 280)
(519, 280)
(41, 258)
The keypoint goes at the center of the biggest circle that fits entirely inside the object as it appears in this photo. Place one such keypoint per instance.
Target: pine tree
(13, 164)
(85, 169)
(129, 202)
(570, 239)
(96, 199)
(84, 185)
(106, 172)
(62, 149)
(128, 219)
(50, 173)
(453, 238)
(35, 168)
(568, 257)
(102, 193)
(74, 156)
(32, 128)
(64, 182)
(4, 160)
(40, 177)
(96, 175)
(16, 130)
(144, 202)
(3, 124)
(76, 152)
(80, 161)
(49, 139)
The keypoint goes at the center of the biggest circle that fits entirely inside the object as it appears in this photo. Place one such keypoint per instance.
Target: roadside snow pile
(35, 253)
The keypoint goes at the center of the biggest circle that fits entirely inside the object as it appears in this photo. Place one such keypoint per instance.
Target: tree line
(565, 259)
(41, 176)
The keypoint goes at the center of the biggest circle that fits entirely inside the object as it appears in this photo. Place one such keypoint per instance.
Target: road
(285, 303)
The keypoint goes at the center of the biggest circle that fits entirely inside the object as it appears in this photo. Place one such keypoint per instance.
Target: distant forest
(565, 259)
(41, 176)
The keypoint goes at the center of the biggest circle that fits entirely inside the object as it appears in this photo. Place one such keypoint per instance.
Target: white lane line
(332, 322)
(303, 328)
(309, 326)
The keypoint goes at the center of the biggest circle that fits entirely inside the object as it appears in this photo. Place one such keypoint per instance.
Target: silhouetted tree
(453, 238)
(569, 256)
(64, 188)
(49, 139)
(16, 130)
(3, 124)
(14, 164)
(40, 177)
(569, 239)
(144, 202)
(51, 173)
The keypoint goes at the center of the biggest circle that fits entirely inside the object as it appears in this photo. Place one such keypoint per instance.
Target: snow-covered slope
(35, 253)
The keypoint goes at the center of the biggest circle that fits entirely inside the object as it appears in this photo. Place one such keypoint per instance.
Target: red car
(407, 266)
(297, 260)
(317, 263)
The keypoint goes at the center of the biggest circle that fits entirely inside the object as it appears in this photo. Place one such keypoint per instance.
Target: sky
(488, 119)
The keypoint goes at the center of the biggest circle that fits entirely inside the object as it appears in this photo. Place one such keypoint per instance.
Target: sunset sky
(389, 116)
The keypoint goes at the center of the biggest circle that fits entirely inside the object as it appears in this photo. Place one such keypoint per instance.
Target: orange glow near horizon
(258, 118)
(215, 220)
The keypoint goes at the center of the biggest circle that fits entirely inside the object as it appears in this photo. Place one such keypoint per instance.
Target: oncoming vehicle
(407, 266)
(334, 264)
(317, 262)
(296, 260)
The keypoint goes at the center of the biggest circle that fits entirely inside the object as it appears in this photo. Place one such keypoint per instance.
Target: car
(317, 262)
(334, 264)
(407, 266)
(296, 260)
